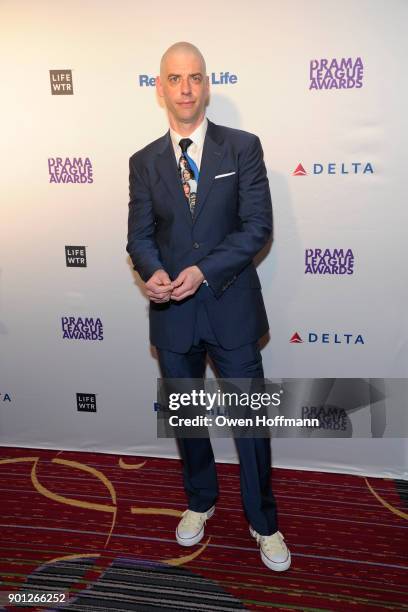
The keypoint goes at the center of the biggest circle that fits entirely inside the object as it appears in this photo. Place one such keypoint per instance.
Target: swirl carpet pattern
(100, 529)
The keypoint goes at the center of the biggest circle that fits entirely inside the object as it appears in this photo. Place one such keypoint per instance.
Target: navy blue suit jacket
(231, 224)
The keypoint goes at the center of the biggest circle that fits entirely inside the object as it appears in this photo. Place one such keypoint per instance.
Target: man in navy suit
(194, 252)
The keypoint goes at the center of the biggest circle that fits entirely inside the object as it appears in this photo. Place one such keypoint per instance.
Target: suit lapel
(213, 152)
(167, 168)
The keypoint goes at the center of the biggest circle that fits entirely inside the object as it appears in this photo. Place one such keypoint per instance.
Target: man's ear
(159, 87)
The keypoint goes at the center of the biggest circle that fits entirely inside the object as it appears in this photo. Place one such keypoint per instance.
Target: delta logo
(326, 338)
(331, 168)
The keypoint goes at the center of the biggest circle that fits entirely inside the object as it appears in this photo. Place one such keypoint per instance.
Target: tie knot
(184, 144)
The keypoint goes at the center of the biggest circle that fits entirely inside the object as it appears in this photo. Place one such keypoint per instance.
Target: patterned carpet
(100, 529)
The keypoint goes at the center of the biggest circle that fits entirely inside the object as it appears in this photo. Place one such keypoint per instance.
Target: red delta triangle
(296, 339)
(299, 171)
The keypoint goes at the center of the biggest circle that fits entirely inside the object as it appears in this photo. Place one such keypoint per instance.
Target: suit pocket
(225, 175)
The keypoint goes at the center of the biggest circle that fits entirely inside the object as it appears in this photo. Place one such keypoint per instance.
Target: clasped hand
(159, 288)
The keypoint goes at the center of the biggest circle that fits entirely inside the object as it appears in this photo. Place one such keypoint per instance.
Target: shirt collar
(197, 136)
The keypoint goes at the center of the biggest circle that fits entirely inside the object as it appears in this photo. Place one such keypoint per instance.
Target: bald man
(194, 251)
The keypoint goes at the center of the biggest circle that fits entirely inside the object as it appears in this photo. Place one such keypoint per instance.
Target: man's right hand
(159, 287)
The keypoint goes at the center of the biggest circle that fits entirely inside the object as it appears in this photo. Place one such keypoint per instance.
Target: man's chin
(188, 117)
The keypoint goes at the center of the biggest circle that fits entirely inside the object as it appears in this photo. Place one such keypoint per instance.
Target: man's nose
(185, 86)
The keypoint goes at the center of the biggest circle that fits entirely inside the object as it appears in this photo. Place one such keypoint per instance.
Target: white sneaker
(190, 529)
(274, 552)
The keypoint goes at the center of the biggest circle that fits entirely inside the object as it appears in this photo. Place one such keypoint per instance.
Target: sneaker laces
(193, 519)
(272, 543)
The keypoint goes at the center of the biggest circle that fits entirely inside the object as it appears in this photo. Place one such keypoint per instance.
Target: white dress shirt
(195, 150)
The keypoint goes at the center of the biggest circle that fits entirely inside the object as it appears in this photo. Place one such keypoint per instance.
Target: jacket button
(196, 245)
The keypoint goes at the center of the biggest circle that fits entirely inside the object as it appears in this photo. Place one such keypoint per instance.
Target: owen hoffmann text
(227, 421)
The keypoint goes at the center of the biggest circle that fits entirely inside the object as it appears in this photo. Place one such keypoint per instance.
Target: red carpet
(101, 528)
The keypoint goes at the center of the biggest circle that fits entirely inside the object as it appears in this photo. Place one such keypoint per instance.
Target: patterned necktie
(189, 174)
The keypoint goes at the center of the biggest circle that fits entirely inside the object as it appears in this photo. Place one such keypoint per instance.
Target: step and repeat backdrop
(323, 84)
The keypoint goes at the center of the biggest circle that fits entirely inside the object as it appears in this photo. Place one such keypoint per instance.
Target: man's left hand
(187, 283)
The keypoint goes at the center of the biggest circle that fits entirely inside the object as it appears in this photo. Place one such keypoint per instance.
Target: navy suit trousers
(199, 471)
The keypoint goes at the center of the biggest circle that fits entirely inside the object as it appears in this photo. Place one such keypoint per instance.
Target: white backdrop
(269, 46)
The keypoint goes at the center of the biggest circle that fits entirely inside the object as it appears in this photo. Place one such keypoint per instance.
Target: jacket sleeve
(141, 243)
(236, 251)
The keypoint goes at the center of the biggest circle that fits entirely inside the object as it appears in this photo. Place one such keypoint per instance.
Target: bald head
(185, 48)
(184, 87)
